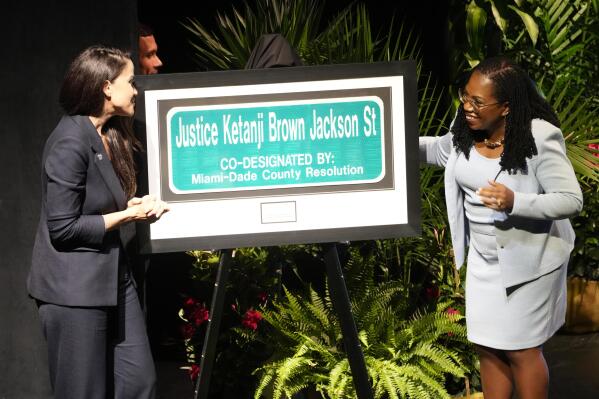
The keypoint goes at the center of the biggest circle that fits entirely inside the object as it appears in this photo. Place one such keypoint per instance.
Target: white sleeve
(561, 196)
(435, 150)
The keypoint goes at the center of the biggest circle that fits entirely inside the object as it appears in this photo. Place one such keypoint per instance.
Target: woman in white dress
(510, 190)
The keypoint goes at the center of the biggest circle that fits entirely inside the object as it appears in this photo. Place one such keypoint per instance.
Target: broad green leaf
(531, 26)
(499, 19)
(476, 21)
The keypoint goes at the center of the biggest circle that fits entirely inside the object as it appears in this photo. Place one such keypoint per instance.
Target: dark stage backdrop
(39, 38)
(427, 18)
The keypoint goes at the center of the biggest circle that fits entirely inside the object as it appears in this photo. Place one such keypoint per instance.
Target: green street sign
(277, 144)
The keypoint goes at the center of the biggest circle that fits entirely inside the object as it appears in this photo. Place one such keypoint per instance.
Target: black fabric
(99, 352)
(74, 261)
(39, 39)
(273, 51)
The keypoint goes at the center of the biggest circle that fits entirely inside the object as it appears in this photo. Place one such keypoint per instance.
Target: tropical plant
(237, 35)
(253, 280)
(556, 41)
(541, 33)
(346, 38)
(578, 115)
(585, 257)
(408, 354)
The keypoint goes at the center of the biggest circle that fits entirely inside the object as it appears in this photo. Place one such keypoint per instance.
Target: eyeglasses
(475, 104)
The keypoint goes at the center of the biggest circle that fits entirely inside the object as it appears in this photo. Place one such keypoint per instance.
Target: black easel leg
(216, 311)
(342, 306)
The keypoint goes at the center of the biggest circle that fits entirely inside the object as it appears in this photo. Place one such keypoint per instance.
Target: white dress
(519, 317)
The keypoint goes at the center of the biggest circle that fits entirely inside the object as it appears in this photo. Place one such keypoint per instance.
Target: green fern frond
(326, 353)
(340, 381)
(419, 383)
(263, 383)
(319, 310)
(391, 383)
(288, 370)
(295, 315)
(439, 358)
(245, 334)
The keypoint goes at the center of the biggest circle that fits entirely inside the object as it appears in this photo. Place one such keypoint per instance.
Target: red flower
(195, 312)
(199, 315)
(194, 371)
(262, 297)
(452, 311)
(189, 303)
(432, 293)
(187, 330)
(251, 318)
(596, 148)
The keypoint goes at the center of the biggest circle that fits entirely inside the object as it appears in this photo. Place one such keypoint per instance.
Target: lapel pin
(99, 157)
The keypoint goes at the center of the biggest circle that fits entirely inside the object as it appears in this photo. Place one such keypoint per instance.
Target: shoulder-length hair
(512, 85)
(82, 93)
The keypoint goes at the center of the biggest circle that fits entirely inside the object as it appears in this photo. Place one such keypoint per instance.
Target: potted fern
(408, 354)
(583, 283)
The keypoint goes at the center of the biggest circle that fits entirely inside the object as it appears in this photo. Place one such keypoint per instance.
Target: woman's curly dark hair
(512, 85)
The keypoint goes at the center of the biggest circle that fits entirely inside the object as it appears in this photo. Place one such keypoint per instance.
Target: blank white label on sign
(278, 212)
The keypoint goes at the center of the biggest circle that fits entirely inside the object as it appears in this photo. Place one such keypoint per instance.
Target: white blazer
(536, 236)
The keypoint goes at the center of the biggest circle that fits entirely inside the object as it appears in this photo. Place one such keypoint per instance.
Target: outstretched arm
(435, 150)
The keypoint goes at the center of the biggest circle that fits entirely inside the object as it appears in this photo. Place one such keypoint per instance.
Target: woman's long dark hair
(81, 94)
(512, 85)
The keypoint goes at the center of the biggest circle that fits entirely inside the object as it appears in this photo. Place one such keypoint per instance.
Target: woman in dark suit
(88, 306)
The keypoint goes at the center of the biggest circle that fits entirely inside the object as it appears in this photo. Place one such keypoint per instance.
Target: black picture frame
(405, 69)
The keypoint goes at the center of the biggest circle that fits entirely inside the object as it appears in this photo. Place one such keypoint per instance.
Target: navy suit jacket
(75, 261)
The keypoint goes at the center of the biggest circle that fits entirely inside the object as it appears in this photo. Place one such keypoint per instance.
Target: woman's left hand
(496, 196)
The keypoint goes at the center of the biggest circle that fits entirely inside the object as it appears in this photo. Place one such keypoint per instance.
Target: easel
(340, 298)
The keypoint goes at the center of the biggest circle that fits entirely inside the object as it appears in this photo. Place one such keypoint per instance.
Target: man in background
(149, 63)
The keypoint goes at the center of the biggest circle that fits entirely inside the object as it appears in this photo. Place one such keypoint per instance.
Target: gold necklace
(494, 144)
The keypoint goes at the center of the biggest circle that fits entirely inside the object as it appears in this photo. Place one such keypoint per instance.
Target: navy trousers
(99, 352)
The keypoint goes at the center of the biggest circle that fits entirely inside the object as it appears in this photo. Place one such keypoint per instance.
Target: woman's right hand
(147, 208)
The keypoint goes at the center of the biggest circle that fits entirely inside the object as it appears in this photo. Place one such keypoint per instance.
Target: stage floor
(573, 363)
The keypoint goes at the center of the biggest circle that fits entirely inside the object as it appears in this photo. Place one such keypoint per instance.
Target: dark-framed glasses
(475, 104)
